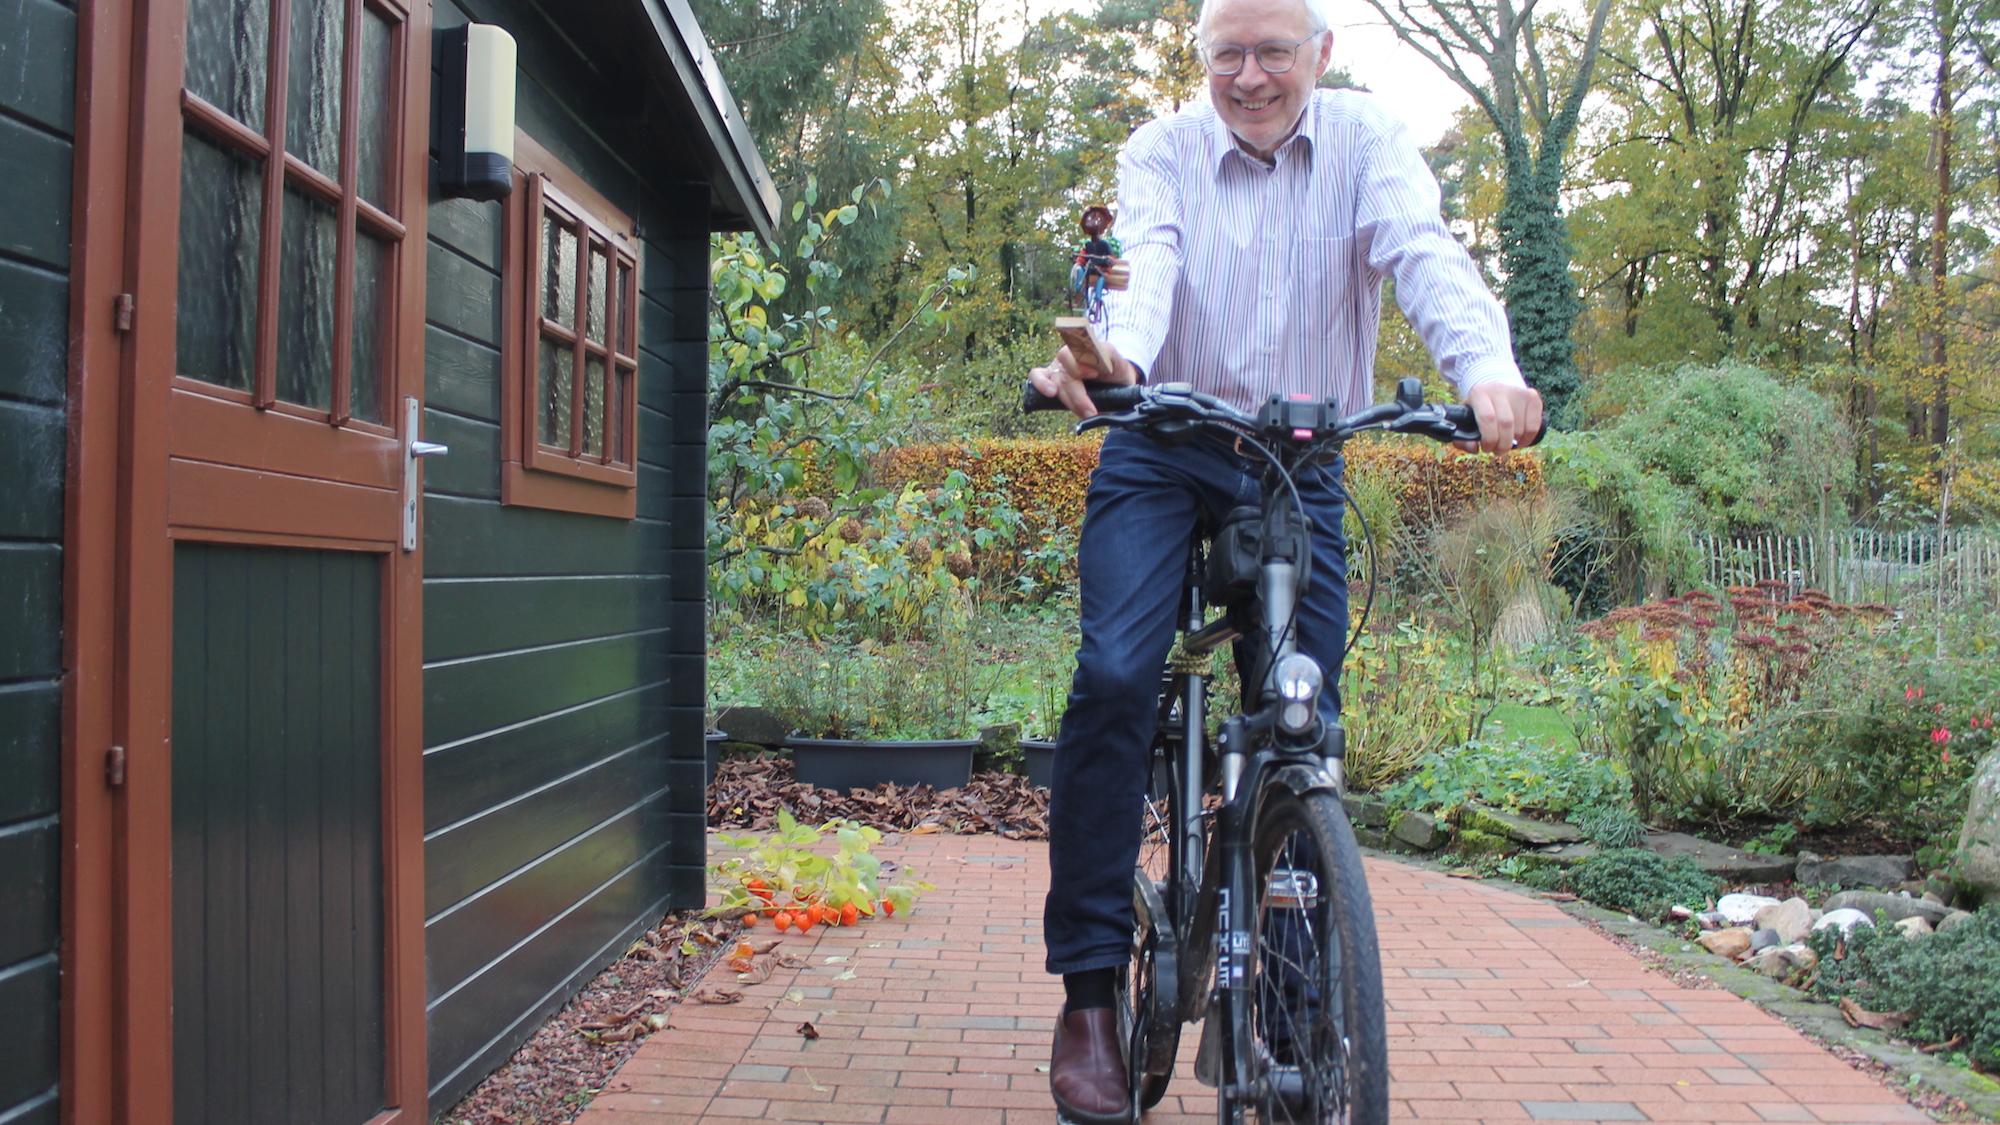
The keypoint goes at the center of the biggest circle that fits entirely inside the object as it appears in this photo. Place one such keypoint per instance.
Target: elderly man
(1259, 228)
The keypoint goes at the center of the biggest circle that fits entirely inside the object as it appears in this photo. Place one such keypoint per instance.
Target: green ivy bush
(1642, 883)
(1948, 982)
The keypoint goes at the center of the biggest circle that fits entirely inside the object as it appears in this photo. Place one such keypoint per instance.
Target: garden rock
(1710, 919)
(1781, 961)
(1473, 842)
(1366, 810)
(1420, 831)
(1945, 890)
(1914, 926)
(1371, 837)
(1731, 865)
(1765, 938)
(1894, 908)
(1741, 909)
(1952, 919)
(1845, 918)
(1568, 855)
(1855, 870)
(1526, 829)
(1977, 862)
(1731, 943)
(1791, 919)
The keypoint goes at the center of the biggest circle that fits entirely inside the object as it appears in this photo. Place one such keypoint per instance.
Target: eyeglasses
(1275, 56)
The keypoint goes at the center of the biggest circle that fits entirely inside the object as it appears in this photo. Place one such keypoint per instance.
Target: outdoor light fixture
(475, 118)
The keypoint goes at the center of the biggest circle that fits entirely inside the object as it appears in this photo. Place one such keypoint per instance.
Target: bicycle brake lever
(1099, 421)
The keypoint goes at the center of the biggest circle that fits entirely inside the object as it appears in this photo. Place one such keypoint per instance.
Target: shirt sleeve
(1404, 237)
(1150, 225)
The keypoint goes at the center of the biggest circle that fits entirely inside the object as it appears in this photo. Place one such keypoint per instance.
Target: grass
(1520, 720)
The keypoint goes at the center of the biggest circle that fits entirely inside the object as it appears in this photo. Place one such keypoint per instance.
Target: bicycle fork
(1221, 1061)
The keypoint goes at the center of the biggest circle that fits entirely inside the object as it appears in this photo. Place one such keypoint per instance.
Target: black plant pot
(712, 753)
(1041, 759)
(846, 763)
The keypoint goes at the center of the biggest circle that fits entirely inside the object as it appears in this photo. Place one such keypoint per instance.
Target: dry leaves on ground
(748, 793)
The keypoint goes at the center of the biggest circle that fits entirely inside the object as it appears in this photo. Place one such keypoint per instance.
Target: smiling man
(1259, 228)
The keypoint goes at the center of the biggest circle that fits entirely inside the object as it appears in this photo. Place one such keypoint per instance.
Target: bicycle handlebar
(1292, 419)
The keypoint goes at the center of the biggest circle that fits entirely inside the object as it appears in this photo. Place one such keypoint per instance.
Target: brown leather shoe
(1087, 1068)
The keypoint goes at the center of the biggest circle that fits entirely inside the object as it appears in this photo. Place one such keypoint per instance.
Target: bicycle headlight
(1299, 683)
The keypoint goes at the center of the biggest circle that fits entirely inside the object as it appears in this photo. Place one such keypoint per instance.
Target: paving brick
(1500, 1009)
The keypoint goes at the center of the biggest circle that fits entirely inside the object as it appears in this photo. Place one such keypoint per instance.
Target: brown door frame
(117, 958)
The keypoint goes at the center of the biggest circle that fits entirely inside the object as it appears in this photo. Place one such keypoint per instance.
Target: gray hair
(1317, 15)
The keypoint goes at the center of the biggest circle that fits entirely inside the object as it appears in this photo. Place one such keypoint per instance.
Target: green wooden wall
(563, 675)
(37, 120)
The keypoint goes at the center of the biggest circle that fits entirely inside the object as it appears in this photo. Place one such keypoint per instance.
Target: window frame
(281, 171)
(535, 473)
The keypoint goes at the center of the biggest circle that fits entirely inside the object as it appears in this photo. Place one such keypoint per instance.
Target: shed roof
(671, 47)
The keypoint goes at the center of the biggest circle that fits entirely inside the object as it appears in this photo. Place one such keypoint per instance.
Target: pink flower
(1941, 735)
(1912, 694)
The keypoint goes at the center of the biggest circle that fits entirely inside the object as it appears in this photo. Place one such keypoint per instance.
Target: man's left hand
(1508, 416)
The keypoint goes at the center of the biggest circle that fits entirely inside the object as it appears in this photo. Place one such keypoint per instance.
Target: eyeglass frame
(1207, 54)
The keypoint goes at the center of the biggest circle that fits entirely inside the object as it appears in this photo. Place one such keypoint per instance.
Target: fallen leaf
(846, 975)
(711, 995)
(813, 1082)
(808, 1030)
(795, 996)
(835, 960)
(1858, 1016)
(925, 829)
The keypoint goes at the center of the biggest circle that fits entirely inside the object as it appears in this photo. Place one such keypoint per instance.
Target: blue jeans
(1138, 519)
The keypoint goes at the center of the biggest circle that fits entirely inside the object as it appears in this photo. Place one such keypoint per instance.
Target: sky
(1404, 81)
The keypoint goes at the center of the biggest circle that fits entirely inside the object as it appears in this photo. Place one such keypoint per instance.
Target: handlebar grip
(1107, 399)
(1466, 425)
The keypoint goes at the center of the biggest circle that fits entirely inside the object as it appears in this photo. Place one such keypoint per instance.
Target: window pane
(593, 406)
(221, 209)
(312, 100)
(623, 317)
(305, 302)
(600, 280)
(377, 82)
(557, 359)
(372, 317)
(226, 45)
(558, 272)
(619, 399)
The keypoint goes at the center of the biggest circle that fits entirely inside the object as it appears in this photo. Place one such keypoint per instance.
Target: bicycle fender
(1301, 778)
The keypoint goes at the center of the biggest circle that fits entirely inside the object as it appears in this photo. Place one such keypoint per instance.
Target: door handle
(415, 449)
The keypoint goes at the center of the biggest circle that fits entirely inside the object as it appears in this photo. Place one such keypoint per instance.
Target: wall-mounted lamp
(475, 117)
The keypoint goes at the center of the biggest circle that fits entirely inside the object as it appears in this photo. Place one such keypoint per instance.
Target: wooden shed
(327, 770)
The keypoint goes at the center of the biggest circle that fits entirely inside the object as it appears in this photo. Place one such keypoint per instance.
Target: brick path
(1501, 1008)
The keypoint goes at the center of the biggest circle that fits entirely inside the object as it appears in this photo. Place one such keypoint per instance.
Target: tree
(1494, 50)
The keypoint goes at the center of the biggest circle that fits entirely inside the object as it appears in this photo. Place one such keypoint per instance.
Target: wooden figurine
(1096, 269)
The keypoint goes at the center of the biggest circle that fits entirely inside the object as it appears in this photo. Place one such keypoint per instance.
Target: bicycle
(1252, 913)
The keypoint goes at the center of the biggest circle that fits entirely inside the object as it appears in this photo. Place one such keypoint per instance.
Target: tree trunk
(1940, 412)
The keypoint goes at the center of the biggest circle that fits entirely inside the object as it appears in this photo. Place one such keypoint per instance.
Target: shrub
(1642, 883)
(896, 691)
(1901, 715)
(1518, 776)
(1679, 692)
(1949, 982)
(1393, 706)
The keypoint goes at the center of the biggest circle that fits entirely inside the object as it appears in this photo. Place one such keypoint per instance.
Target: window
(289, 229)
(571, 350)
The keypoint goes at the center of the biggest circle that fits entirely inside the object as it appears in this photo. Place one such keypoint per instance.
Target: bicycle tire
(1156, 1034)
(1327, 1062)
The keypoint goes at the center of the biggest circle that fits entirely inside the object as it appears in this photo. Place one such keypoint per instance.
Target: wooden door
(268, 916)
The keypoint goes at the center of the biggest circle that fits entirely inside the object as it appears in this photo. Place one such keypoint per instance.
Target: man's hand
(1064, 378)
(1508, 416)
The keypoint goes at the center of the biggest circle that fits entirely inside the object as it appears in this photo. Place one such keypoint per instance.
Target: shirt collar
(1301, 145)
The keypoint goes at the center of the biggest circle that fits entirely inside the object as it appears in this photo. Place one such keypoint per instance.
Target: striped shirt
(1249, 280)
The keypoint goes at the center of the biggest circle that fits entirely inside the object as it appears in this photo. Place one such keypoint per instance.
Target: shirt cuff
(1136, 346)
(1497, 369)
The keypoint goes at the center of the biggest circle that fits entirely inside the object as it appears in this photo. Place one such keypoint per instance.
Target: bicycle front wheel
(1318, 1035)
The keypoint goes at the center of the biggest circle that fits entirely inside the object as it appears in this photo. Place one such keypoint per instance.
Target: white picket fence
(1858, 566)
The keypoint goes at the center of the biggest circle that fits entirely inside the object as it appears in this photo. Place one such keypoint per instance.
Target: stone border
(1818, 1019)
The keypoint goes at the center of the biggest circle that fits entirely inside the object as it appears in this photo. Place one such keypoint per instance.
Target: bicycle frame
(1208, 925)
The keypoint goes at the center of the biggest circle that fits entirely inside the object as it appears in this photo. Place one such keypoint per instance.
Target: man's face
(1261, 108)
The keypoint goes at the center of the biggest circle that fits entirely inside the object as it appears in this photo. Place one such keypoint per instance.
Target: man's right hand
(1064, 378)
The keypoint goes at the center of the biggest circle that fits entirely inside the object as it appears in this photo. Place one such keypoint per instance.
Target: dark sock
(1093, 988)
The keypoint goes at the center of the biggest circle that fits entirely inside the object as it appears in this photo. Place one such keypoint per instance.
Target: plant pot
(848, 763)
(712, 753)
(1040, 757)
